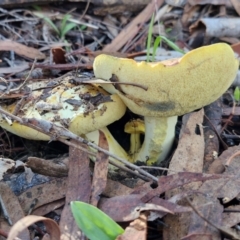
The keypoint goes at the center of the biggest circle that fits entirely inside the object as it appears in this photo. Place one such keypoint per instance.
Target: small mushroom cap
(175, 87)
(135, 126)
(79, 108)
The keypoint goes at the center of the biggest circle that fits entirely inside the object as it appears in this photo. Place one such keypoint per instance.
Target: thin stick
(61, 133)
(101, 81)
(26, 80)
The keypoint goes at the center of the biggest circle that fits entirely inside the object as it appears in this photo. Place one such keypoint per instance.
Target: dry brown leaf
(177, 180)
(187, 157)
(21, 49)
(212, 210)
(43, 193)
(51, 227)
(11, 205)
(231, 219)
(114, 188)
(78, 189)
(137, 230)
(190, 150)
(49, 207)
(100, 171)
(128, 208)
(226, 189)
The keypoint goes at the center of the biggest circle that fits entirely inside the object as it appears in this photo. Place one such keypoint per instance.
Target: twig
(231, 158)
(158, 168)
(26, 80)
(101, 81)
(61, 133)
(112, 162)
(85, 10)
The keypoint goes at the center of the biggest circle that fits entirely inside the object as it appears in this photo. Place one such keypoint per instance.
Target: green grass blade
(236, 94)
(64, 21)
(67, 28)
(49, 21)
(155, 46)
(94, 223)
(149, 38)
(172, 44)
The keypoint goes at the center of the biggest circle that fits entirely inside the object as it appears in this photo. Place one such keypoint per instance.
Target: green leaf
(94, 223)
(49, 21)
(149, 39)
(172, 44)
(155, 46)
(64, 21)
(236, 94)
(67, 28)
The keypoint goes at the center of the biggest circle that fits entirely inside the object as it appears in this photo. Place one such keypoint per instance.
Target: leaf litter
(192, 203)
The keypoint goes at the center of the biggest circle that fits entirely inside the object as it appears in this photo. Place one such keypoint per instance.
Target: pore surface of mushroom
(174, 87)
(83, 109)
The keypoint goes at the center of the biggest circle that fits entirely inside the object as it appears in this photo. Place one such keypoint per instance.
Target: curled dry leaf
(51, 227)
(137, 230)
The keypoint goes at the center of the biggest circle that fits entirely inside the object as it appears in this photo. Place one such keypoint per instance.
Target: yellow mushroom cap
(79, 108)
(135, 126)
(175, 87)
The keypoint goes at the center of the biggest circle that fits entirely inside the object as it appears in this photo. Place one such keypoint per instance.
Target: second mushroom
(174, 87)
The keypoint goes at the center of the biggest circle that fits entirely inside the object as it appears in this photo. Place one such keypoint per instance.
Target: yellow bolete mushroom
(83, 109)
(174, 87)
(135, 128)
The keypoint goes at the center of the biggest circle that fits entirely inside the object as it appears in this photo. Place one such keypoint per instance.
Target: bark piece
(218, 27)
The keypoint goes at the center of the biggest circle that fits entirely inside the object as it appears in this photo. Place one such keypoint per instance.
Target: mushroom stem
(135, 143)
(159, 136)
(134, 127)
(113, 146)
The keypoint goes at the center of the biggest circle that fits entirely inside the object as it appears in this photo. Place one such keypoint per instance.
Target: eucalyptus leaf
(94, 223)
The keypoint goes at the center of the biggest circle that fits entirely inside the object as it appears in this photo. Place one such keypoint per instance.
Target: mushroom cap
(79, 108)
(176, 86)
(135, 126)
